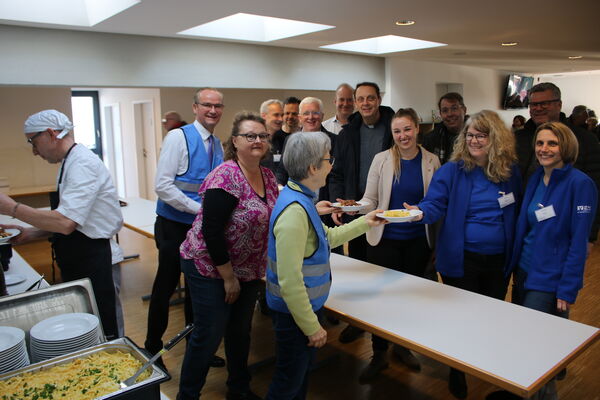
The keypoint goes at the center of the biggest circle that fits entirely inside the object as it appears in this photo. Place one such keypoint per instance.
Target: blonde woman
(399, 175)
(478, 192)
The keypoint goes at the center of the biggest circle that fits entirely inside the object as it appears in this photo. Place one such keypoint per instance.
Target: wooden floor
(337, 377)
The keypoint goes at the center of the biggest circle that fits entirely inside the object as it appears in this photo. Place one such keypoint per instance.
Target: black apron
(79, 256)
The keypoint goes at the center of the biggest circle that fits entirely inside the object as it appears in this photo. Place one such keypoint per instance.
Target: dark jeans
(483, 274)
(168, 236)
(409, 256)
(294, 358)
(534, 299)
(213, 320)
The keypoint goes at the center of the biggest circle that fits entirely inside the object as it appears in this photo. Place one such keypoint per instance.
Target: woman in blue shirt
(478, 194)
(398, 175)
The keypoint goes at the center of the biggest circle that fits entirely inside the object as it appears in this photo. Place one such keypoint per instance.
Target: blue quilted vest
(199, 166)
(315, 269)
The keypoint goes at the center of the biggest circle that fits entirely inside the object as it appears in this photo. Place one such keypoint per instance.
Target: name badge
(545, 213)
(276, 157)
(506, 200)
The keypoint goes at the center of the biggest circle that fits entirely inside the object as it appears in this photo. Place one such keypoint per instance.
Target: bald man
(172, 120)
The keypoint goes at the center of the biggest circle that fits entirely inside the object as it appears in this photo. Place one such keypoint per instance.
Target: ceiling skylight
(63, 12)
(257, 28)
(383, 45)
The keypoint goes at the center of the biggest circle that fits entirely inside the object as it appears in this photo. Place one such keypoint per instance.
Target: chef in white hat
(84, 215)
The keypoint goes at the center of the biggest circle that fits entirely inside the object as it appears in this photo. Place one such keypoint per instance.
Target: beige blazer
(379, 187)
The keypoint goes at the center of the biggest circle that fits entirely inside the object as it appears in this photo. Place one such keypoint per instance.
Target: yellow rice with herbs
(87, 378)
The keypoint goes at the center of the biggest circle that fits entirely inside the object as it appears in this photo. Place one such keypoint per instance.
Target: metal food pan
(148, 389)
(26, 309)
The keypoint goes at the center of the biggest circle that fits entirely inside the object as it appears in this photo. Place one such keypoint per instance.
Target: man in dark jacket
(367, 133)
(545, 106)
(440, 140)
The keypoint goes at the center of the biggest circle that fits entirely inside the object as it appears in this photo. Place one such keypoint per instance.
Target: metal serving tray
(26, 309)
(148, 389)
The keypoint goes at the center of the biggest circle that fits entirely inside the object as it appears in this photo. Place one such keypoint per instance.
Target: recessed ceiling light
(575, 57)
(508, 44)
(383, 45)
(257, 28)
(63, 12)
(405, 22)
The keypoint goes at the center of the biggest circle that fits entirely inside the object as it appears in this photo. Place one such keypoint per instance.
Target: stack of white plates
(63, 334)
(13, 351)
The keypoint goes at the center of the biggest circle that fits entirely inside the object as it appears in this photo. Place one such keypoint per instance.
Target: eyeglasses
(312, 114)
(543, 104)
(452, 109)
(30, 140)
(331, 160)
(217, 106)
(478, 137)
(252, 137)
(369, 98)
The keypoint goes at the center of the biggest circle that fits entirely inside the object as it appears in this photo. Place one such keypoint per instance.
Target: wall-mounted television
(517, 88)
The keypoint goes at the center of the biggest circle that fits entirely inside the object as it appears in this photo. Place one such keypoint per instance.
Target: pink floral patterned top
(246, 232)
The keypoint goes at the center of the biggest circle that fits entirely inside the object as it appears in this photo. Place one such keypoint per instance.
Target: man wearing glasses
(440, 140)
(545, 106)
(84, 215)
(187, 156)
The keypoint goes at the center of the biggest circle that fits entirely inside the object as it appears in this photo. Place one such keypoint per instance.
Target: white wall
(413, 84)
(577, 88)
(73, 58)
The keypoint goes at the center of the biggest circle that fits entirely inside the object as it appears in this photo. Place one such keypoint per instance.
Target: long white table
(139, 215)
(516, 348)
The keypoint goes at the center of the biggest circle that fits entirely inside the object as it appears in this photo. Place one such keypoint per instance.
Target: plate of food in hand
(7, 234)
(402, 215)
(350, 205)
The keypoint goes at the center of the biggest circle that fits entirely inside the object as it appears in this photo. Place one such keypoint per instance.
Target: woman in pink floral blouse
(224, 258)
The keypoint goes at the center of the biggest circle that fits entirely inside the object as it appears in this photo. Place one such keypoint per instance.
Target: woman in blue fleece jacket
(478, 193)
(552, 231)
(554, 224)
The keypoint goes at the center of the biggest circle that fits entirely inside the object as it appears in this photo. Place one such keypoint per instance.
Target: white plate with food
(350, 205)
(7, 234)
(14, 279)
(401, 215)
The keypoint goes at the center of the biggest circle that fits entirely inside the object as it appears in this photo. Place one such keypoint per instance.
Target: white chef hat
(48, 119)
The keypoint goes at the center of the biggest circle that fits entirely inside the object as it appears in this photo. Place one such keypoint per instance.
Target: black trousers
(80, 257)
(483, 274)
(168, 236)
(408, 256)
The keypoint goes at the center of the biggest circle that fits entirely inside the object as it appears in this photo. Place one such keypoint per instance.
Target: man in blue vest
(188, 154)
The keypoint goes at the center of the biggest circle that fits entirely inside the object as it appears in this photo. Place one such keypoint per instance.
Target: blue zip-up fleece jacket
(448, 195)
(560, 243)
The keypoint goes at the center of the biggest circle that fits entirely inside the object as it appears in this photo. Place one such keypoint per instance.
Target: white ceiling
(547, 31)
